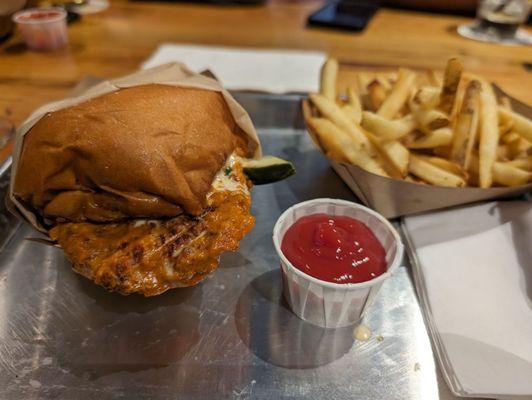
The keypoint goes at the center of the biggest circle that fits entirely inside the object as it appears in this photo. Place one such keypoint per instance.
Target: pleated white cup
(46, 33)
(326, 304)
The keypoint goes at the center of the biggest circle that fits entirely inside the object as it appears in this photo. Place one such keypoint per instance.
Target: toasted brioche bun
(147, 151)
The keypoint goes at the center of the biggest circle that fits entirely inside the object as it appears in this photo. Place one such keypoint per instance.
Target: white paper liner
(327, 304)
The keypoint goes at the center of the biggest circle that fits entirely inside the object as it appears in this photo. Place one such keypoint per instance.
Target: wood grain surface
(117, 40)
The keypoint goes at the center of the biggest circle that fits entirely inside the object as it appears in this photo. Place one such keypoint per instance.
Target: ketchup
(40, 15)
(335, 249)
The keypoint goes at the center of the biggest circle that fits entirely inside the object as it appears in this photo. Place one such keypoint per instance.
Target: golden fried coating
(150, 257)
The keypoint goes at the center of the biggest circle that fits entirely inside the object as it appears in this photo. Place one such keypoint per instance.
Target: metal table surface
(230, 337)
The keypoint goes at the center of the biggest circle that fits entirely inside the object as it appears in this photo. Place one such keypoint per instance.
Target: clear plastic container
(43, 29)
(327, 304)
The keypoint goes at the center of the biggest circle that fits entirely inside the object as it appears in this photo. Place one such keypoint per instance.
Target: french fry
(363, 80)
(505, 174)
(503, 152)
(433, 79)
(445, 164)
(422, 128)
(508, 175)
(332, 111)
(489, 134)
(390, 76)
(506, 127)
(397, 154)
(413, 179)
(509, 137)
(442, 151)
(332, 139)
(426, 98)
(328, 78)
(505, 102)
(351, 113)
(430, 120)
(522, 125)
(460, 92)
(522, 163)
(472, 173)
(384, 128)
(329, 109)
(437, 138)
(411, 137)
(518, 148)
(466, 127)
(451, 79)
(340, 146)
(432, 174)
(376, 94)
(399, 94)
(394, 153)
(354, 101)
(385, 82)
(404, 111)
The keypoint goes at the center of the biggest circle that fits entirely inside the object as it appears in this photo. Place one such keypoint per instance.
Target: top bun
(147, 151)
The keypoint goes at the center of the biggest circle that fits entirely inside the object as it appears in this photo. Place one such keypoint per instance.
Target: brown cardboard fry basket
(394, 198)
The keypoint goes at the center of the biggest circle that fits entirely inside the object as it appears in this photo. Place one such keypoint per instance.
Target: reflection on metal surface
(231, 336)
(268, 328)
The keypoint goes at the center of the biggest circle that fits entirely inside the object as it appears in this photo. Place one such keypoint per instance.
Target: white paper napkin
(273, 71)
(474, 276)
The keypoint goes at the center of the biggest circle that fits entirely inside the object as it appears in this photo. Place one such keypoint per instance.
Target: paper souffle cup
(45, 33)
(326, 304)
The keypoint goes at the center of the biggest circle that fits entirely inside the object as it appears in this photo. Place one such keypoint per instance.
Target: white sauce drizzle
(226, 182)
(178, 251)
(222, 182)
(168, 268)
(140, 222)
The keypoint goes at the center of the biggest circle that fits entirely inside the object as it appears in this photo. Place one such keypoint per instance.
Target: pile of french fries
(411, 126)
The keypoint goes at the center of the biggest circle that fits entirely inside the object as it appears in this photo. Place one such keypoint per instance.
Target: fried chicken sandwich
(143, 188)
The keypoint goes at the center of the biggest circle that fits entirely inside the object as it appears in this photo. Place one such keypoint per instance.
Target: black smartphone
(352, 15)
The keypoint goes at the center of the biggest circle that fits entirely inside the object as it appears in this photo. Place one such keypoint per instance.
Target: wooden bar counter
(116, 41)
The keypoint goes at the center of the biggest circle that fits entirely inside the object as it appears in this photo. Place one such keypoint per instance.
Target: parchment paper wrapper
(395, 198)
(174, 74)
(326, 304)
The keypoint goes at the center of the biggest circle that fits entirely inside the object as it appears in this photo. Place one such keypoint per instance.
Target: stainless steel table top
(230, 337)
